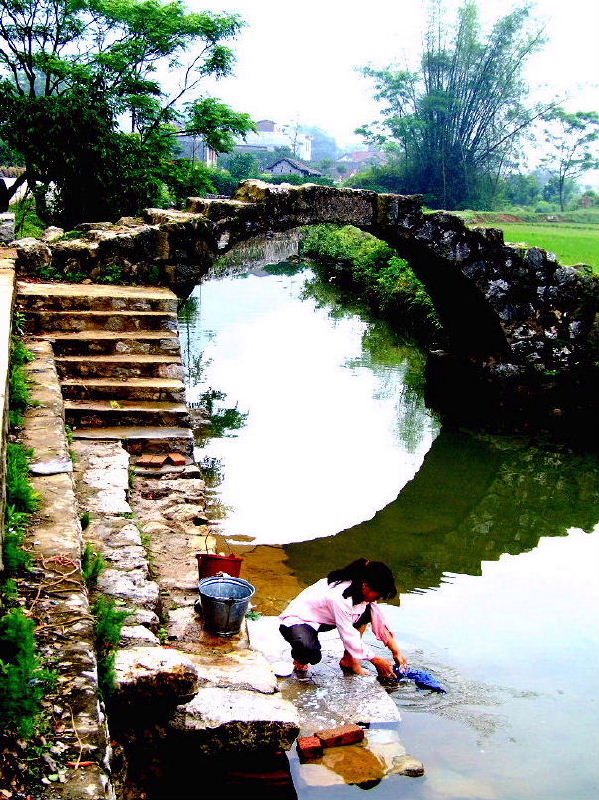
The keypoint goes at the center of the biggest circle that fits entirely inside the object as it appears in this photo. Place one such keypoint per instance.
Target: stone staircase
(118, 359)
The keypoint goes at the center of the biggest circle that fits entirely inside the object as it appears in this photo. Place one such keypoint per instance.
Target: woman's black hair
(376, 574)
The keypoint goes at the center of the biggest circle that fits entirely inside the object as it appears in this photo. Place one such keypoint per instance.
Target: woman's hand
(400, 659)
(383, 666)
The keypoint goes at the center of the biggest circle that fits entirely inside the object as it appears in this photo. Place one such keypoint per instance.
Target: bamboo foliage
(456, 121)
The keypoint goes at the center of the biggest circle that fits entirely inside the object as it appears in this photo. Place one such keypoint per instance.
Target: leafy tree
(572, 142)
(388, 177)
(560, 194)
(242, 165)
(186, 179)
(522, 189)
(70, 70)
(456, 121)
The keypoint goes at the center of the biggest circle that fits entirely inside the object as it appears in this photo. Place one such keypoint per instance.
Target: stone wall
(7, 296)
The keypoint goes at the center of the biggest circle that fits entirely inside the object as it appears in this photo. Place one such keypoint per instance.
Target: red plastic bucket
(209, 564)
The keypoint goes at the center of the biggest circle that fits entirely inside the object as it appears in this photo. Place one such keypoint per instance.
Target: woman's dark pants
(303, 639)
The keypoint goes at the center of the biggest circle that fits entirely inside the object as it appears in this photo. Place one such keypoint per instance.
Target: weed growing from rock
(16, 558)
(92, 565)
(19, 384)
(110, 620)
(85, 519)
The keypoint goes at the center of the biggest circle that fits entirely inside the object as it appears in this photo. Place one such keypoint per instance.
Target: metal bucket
(225, 602)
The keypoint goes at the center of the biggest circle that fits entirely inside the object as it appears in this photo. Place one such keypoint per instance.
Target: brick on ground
(309, 747)
(344, 734)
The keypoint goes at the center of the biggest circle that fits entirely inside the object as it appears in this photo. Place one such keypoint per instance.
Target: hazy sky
(297, 60)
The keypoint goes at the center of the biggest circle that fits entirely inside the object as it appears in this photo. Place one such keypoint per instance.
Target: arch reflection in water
(473, 499)
(336, 421)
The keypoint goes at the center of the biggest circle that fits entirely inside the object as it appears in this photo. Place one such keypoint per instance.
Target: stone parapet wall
(66, 631)
(7, 298)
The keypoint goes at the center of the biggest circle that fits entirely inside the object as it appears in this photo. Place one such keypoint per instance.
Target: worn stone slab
(132, 587)
(138, 635)
(229, 720)
(239, 669)
(114, 532)
(151, 674)
(327, 698)
(66, 634)
(102, 476)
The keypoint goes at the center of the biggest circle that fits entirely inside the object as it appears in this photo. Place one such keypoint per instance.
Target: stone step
(103, 413)
(96, 297)
(108, 343)
(116, 321)
(120, 366)
(147, 439)
(117, 389)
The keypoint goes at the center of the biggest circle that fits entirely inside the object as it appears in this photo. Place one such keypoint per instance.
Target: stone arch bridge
(512, 309)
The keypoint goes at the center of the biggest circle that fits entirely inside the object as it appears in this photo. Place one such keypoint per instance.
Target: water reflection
(472, 500)
(331, 420)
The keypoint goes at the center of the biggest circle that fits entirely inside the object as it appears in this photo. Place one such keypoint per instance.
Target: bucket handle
(208, 553)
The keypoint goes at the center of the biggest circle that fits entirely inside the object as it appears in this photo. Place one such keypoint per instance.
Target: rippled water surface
(327, 452)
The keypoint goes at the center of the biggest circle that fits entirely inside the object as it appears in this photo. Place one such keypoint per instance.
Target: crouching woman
(347, 599)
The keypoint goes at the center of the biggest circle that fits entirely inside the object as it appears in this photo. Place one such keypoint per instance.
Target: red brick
(177, 459)
(309, 747)
(149, 460)
(345, 734)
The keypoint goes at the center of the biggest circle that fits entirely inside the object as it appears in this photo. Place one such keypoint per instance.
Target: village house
(291, 166)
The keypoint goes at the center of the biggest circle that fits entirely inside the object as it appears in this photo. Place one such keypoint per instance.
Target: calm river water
(327, 452)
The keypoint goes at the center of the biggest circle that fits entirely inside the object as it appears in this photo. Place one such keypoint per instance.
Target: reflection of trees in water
(396, 362)
(258, 252)
(212, 471)
(471, 501)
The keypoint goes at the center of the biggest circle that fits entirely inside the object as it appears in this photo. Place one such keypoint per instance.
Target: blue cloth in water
(422, 678)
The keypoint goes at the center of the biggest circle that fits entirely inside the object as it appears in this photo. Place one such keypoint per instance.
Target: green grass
(573, 244)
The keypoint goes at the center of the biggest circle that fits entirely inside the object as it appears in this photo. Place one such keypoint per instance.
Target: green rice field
(572, 243)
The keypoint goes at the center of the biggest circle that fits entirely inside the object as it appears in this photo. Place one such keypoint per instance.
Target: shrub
(19, 489)
(19, 384)
(23, 680)
(297, 180)
(16, 559)
(363, 262)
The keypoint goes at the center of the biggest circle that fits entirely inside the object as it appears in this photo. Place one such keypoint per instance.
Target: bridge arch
(513, 308)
